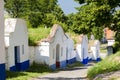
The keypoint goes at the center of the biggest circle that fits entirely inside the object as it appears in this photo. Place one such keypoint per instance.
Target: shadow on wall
(39, 68)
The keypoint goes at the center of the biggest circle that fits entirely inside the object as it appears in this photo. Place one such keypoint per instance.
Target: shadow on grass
(10, 74)
(39, 68)
(35, 68)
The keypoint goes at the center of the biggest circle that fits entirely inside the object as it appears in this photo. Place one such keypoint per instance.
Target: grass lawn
(34, 71)
(109, 64)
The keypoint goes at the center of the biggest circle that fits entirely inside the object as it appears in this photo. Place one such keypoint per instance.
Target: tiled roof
(109, 34)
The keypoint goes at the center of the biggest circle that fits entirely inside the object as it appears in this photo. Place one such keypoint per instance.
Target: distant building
(82, 49)
(2, 46)
(94, 50)
(109, 34)
(16, 43)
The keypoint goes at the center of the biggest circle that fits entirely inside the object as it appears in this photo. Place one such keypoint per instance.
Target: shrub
(116, 47)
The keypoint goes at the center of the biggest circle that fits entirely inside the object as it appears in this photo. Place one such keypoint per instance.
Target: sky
(68, 6)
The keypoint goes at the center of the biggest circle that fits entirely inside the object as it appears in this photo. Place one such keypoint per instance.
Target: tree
(101, 11)
(36, 12)
(94, 13)
(16, 8)
(49, 10)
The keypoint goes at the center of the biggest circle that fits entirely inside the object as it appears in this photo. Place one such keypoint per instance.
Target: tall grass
(111, 63)
(36, 34)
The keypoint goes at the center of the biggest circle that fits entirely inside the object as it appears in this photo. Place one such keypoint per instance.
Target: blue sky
(68, 6)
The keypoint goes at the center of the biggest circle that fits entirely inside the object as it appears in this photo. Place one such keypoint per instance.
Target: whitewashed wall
(58, 39)
(42, 53)
(32, 54)
(85, 46)
(70, 54)
(79, 50)
(46, 51)
(95, 50)
(82, 50)
(2, 45)
(17, 37)
(111, 42)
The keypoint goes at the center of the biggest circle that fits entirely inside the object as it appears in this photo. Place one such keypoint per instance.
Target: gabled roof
(52, 33)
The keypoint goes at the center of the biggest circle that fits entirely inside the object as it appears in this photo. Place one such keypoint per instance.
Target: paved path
(77, 73)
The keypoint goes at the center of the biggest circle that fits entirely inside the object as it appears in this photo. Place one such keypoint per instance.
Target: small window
(22, 49)
(61, 51)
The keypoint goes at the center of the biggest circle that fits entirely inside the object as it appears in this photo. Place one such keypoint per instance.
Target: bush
(116, 47)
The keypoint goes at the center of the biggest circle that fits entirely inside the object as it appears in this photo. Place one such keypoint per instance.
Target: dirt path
(77, 73)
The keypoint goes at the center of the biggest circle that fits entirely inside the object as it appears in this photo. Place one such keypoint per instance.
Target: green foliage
(36, 34)
(89, 17)
(109, 64)
(96, 14)
(116, 22)
(35, 18)
(45, 12)
(63, 25)
(97, 32)
(16, 8)
(36, 12)
(116, 46)
(33, 71)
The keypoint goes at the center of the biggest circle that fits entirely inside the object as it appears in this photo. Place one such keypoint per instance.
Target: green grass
(109, 64)
(115, 78)
(103, 50)
(36, 34)
(34, 71)
(76, 64)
